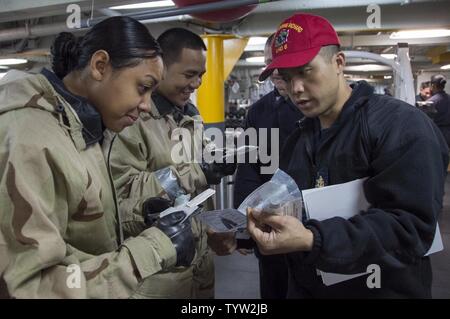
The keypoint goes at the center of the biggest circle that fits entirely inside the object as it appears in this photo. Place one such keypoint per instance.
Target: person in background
(425, 91)
(272, 111)
(441, 103)
(351, 133)
(60, 235)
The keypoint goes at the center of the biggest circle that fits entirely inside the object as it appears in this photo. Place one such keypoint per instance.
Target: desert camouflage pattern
(57, 206)
(137, 153)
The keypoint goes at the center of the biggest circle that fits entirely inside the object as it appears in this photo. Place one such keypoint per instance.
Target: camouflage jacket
(141, 158)
(141, 150)
(57, 206)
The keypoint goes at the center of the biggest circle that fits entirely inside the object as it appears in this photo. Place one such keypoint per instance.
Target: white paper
(190, 207)
(437, 244)
(329, 278)
(345, 200)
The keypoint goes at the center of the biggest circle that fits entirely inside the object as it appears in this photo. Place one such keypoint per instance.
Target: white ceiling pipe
(373, 57)
(413, 16)
(298, 5)
(150, 16)
(34, 31)
(44, 30)
(265, 23)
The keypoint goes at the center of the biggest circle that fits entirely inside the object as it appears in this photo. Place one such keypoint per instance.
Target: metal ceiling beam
(300, 5)
(384, 40)
(17, 10)
(46, 30)
(353, 19)
(7, 6)
(196, 8)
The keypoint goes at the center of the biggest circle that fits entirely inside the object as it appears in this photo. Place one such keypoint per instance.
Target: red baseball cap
(298, 40)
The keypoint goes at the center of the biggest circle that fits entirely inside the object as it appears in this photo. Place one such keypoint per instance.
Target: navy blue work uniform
(442, 117)
(404, 158)
(271, 111)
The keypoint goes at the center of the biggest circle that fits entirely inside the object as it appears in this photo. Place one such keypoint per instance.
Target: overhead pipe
(149, 16)
(299, 5)
(34, 31)
(109, 12)
(197, 8)
(415, 16)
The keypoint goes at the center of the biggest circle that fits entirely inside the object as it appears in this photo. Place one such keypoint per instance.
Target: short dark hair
(439, 80)
(328, 51)
(174, 40)
(425, 85)
(126, 40)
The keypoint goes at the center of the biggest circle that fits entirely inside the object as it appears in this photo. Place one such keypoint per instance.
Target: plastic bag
(280, 195)
(223, 221)
(169, 183)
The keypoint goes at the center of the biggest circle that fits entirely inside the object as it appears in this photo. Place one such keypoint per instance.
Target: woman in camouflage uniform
(59, 234)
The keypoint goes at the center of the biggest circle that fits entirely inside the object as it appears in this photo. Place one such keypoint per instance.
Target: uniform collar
(165, 107)
(92, 125)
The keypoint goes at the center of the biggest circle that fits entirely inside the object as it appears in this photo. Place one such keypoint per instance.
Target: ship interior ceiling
(28, 28)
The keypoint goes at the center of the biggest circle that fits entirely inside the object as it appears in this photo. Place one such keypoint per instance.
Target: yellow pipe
(232, 49)
(222, 54)
(210, 95)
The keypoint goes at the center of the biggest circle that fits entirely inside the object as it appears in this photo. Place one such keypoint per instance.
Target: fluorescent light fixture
(418, 34)
(445, 67)
(355, 79)
(387, 77)
(389, 56)
(257, 40)
(256, 44)
(367, 68)
(255, 59)
(153, 4)
(3, 67)
(12, 61)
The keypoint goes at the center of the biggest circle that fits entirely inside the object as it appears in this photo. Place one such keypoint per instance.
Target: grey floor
(237, 276)
(441, 260)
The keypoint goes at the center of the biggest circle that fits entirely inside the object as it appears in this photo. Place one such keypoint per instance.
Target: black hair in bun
(65, 52)
(439, 80)
(126, 40)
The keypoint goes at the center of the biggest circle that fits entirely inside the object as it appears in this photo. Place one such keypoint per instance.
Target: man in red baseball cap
(304, 43)
(350, 133)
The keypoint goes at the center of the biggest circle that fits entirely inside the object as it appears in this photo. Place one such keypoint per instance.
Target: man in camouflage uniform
(141, 160)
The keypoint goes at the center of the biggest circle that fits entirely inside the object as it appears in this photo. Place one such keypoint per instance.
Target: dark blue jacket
(405, 157)
(442, 117)
(271, 111)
